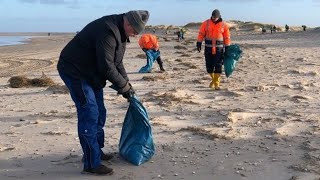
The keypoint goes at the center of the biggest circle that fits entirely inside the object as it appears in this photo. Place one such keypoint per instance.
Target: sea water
(12, 40)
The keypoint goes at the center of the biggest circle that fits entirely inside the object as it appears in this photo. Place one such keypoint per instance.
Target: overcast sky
(73, 15)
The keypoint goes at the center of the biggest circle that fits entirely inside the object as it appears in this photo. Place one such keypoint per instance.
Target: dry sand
(263, 124)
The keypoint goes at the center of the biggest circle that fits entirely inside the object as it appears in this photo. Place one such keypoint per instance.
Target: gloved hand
(199, 46)
(129, 93)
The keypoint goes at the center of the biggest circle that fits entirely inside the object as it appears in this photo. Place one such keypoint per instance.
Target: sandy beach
(263, 124)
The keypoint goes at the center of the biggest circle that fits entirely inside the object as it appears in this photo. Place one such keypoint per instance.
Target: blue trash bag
(151, 57)
(231, 58)
(136, 141)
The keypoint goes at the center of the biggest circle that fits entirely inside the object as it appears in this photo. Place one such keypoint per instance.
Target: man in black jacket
(91, 58)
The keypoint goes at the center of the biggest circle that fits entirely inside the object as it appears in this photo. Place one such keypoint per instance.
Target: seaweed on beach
(23, 81)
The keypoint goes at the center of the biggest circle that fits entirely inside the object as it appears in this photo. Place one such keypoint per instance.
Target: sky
(73, 15)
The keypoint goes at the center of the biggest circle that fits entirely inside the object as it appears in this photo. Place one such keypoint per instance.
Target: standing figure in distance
(287, 28)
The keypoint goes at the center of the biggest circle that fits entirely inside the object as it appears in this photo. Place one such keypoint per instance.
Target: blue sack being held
(136, 141)
(231, 57)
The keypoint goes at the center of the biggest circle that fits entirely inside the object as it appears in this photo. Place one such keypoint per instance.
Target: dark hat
(216, 13)
(137, 19)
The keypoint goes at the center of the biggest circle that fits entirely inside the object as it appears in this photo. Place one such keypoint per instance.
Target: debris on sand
(180, 47)
(173, 97)
(141, 56)
(22, 81)
(19, 81)
(155, 78)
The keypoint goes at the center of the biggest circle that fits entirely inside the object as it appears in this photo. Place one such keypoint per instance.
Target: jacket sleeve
(122, 71)
(202, 32)
(226, 35)
(105, 54)
(141, 42)
(155, 43)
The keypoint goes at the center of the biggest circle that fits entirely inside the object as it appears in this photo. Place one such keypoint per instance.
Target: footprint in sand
(189, 65)
(243, 116)
(71, 158)
(55, 133)
(3, 149)
(291, 129)
(300, 98)
(57, 89)
(180, 47)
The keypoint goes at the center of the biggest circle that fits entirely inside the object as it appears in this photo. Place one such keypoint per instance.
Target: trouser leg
(102, 117)
(87, 110)
(160, 62)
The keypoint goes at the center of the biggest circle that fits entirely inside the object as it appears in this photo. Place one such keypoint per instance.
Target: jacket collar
(216, 22)
(120, 25)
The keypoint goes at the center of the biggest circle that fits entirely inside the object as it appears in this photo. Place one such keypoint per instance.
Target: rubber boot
(161, 67)
(160, 62)
(216, 80)
(212, 82)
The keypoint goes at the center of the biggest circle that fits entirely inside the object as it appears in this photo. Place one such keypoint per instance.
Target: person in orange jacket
(149, 44)
(215, 32)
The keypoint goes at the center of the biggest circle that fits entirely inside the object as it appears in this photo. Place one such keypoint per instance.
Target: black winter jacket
(95, 54)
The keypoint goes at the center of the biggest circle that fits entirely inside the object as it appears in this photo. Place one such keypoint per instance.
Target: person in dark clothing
(91, 58)
(304, 27)
(287, 28)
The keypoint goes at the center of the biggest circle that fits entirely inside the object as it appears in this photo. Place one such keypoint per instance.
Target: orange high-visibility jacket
(215, 35)
(149, 41)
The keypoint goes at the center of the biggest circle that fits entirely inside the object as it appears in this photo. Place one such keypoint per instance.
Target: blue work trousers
(91, 118)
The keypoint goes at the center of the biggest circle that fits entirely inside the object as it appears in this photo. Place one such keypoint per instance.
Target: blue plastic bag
(151, 57)
(231, 58)
(136, 141)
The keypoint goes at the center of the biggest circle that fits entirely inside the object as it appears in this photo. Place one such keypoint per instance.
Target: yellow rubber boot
(216, 81)
(212, 81)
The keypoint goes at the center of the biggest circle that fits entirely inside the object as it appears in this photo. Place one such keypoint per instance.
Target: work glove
(129, 93)
(199, 46)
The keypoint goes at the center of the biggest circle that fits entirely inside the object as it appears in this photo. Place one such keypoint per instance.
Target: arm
(202, 32)
(226, 35)
(105, 52)
(155, 43)
(122, 71)
(201, 35)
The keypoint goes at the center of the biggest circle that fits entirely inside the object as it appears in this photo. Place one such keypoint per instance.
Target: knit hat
(137, 19)
(216, 13)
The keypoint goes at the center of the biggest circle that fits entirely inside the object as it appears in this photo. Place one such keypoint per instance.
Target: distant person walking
(287, 28)
(215, 32)
(182, 31)
(149, 44)
(179, 34)
(91, 58)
